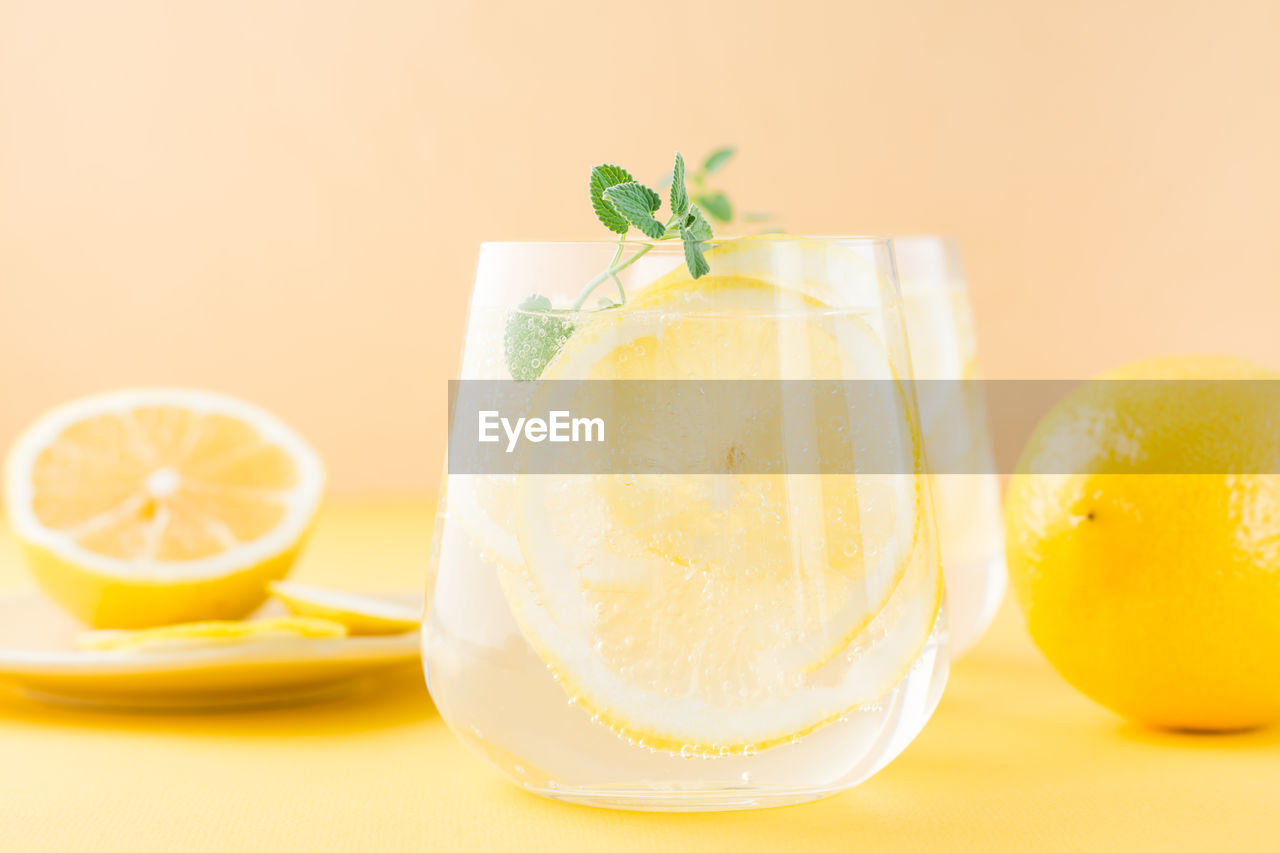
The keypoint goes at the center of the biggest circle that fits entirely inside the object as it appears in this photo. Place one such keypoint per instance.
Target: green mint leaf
(693, 257)
(637, 203)
(716, 159)
(716, 205)
(603, 177)
(696, 224)
(679, 194)
(652, 228)
(535, 333)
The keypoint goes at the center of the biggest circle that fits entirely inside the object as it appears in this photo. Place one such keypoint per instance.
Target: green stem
(617, 253)
(615, 267)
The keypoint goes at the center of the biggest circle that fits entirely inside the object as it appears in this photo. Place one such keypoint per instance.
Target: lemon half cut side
(156, 506)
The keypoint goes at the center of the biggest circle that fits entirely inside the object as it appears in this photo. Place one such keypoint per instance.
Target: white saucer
(38, 656)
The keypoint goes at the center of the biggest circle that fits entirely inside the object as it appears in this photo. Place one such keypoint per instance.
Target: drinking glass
(733, 605)
(966, 490)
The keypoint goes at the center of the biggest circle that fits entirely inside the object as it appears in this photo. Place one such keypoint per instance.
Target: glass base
(686, 800)
(900, 716)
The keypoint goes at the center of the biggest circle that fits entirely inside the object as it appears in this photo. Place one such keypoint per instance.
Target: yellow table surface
(1013, 759)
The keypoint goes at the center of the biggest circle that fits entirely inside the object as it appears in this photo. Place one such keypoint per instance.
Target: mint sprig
(694, 229)
(679, 192)
(712, 201)
(638, 203)
(536, 331)
(716, 159)
(616, 195)
(602, 178)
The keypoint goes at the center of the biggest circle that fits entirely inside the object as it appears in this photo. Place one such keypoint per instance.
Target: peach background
(284, 199)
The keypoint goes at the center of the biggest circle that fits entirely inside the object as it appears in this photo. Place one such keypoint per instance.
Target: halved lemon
(199, 635)
(360, 614)
(726, 612)
(150, 507)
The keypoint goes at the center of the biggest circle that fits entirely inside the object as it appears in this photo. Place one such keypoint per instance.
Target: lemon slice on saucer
(361, 615)
(150, 507)
(198, 635)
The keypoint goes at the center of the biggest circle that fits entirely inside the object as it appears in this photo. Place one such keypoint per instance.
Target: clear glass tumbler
(736, 634)
(966, 490)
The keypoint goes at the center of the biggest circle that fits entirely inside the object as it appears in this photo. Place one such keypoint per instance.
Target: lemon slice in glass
(728, 612)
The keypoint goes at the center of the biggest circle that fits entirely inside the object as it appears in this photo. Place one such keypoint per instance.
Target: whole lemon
(1156, 591)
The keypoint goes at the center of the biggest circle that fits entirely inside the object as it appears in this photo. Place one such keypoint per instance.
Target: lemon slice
(821, 271)
(197, 635)
(672, 714)
(359, 614)
(725, 613)
(151, 507)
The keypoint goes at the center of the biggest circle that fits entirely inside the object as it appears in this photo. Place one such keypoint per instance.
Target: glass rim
(676, 245)
(925, 237)
(701, 314)
(926, 262)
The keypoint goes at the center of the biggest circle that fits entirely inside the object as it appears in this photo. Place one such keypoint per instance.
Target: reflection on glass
(956, 435)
